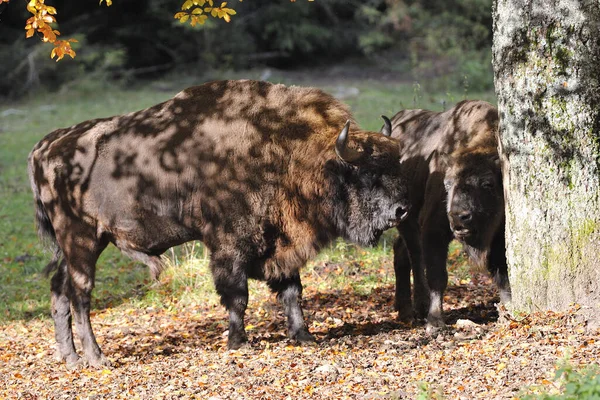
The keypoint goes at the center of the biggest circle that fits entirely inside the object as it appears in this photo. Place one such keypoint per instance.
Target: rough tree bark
(546, 57)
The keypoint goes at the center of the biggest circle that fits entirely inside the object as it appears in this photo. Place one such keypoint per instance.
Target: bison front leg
(231, 283)
(435, 254)
(498, 268)
(411, 259)
(402, 300)
(289, 293)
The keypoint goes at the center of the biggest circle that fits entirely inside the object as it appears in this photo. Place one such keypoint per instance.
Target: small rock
(466, 324)
(458, 336)
(327, 369)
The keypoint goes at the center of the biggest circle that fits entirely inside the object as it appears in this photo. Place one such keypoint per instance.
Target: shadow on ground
(332, 316)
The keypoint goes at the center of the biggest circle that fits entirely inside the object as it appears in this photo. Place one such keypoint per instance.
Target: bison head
(371, 193)
(475, 198)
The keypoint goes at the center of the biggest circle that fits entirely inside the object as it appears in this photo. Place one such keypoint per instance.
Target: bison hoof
(73, 361)
(303, 336)
(76, 364)
(435, 324)
(98, 362)
(421, 309)
(235, 342)
(405, 316)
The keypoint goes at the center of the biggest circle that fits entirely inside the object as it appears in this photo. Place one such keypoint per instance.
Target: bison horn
(387, 126)
(341, 146)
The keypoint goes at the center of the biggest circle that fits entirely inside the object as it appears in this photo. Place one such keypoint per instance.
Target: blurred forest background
(443, 43)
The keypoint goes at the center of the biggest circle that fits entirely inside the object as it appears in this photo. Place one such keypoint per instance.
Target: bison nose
(462, 216)
(402, 212)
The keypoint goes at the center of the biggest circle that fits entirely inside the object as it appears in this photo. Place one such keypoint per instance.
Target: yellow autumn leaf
(184, 18)
(180, 14)
(197, 11)
(187, 5)
(199, 2)
(223, 4)
(227, 18)
(30, 33)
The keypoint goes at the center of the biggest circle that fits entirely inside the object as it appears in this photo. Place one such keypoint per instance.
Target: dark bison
(265, 175)
(451, 162)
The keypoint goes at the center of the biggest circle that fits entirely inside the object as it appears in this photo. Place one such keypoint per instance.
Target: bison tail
(46, 234)
(45, 229)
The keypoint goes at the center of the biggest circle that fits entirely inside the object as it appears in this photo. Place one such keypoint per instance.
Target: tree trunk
(546, 58)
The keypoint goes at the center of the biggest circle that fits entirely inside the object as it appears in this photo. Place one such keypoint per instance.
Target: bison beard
(263, 174)
(451, 162)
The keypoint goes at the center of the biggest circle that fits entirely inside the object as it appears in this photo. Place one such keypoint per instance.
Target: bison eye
(447, 184)
(487, 185)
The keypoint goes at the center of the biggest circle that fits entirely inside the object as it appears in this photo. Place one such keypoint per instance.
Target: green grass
(24, 291)
(570, 383)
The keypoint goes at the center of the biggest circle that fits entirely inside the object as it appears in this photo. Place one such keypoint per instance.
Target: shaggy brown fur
(250, 168)
(451, 161)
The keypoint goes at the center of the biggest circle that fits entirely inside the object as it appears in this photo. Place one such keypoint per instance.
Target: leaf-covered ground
(179, 351)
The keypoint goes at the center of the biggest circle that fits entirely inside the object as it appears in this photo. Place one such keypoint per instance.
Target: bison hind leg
(74, 280)
(289, 293)
(61, 289)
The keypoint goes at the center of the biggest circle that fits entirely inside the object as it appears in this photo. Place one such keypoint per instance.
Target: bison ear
(341, 146)
(387, 126)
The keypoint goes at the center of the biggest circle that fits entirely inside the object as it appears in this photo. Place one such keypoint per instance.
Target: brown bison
(265, 175)
(451, 161)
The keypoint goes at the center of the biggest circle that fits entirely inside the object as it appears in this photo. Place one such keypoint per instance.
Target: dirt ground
(362, 352)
